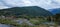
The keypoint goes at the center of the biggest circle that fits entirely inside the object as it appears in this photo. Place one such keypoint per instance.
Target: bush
(13, 23)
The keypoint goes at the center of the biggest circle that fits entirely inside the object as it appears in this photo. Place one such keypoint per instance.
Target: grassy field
(37, 22)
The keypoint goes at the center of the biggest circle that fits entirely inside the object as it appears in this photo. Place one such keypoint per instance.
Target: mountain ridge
(55, 11)
(30, 10)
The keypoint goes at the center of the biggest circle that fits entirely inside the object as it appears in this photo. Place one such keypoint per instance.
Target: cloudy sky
(47, 4)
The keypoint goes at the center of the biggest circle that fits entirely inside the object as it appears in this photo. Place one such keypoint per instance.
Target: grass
(12, 22)
(37, 22)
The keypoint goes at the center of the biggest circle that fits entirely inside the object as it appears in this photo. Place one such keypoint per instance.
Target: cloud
(3, 7)
(47, 4)
(13, 3)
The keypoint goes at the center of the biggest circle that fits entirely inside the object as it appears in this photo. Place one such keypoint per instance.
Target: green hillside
(30, 10)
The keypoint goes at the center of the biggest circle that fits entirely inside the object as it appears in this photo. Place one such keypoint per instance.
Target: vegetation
(30, 11)
(11, 22)
(37, 16)
(37, 21)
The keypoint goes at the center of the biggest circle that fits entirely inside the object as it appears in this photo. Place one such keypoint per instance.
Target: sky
(46, 4)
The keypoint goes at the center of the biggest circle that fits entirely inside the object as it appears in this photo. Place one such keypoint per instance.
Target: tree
(57, 18)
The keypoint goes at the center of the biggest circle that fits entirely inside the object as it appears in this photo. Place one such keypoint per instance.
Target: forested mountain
(29, 10)
(55, 11)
